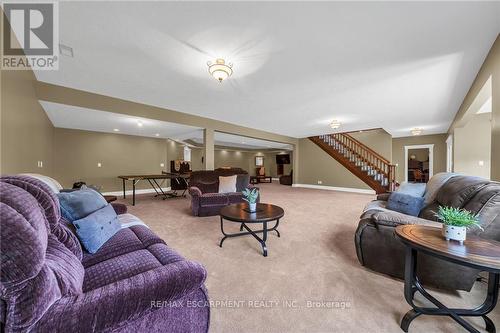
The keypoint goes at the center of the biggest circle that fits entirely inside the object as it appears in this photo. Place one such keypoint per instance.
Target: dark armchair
(287, 179)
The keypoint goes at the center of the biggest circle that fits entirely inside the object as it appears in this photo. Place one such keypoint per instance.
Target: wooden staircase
(369, 166)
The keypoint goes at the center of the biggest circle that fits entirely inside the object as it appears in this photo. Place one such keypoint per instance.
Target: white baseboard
(334, 188)
(142, 191)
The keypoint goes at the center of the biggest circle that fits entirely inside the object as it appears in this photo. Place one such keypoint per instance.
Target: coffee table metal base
(412, 285)
(249, 231)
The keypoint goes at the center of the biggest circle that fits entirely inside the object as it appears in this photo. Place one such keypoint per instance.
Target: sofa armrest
(194, 191)
(119, 208)
(393, 219)
(384, 196)
(114, 305)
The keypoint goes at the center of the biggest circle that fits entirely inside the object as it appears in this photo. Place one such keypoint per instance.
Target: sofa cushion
(78, 204)
(404, 203)
(413, 189)
(95, 229)
(124, 241)
(434, 184)
(213, 199)
(242, 182)
(457, 191)
(119, 268)
(429, 212)
(235, 197)
(227, 184)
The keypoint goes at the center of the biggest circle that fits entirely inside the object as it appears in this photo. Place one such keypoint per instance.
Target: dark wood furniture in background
(479, 253)
(110, 198)
(239, 213)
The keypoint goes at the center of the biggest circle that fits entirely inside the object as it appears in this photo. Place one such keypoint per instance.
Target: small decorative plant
(456, 221)
(251, 196)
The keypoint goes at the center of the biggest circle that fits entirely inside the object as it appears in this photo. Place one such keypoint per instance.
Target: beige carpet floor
(314, 261)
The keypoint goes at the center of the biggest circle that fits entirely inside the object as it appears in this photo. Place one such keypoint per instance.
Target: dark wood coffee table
(476, 252)
(239, 213)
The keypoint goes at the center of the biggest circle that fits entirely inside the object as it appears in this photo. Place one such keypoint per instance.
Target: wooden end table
(239, 213)
(476, 252)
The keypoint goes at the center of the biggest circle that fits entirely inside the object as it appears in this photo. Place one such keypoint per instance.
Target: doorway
(419, 160)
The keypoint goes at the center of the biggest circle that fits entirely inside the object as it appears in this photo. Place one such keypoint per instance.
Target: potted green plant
(456, 221)
(251, 197)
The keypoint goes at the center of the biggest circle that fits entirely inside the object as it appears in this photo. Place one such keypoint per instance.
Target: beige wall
(468, 152)
(316, 165)
(489, 70)
(78, 152)
(26, 132)
(398, 152)
(378, 140)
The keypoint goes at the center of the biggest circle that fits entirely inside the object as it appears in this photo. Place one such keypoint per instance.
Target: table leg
(133, 193)
(412, 284)
(249, 231)
(410, 268)
(264, 238)
(123, 181)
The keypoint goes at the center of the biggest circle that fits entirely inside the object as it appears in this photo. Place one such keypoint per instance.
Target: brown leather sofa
(378, 248)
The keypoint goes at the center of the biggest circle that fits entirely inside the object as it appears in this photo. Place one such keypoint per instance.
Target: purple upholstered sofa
(134, 283)
(204, 190)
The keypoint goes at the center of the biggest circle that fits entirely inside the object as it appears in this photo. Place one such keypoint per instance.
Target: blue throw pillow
(95, 229)
(404, 203)
(78, 204)
(414, 189)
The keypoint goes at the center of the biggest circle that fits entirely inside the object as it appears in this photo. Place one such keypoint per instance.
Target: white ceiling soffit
(297, 65)
(237, 141)
(73, 117)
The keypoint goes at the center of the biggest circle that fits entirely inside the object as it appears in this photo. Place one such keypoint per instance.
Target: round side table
(476, 252)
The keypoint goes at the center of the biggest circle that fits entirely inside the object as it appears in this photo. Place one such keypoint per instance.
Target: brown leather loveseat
(378, 248)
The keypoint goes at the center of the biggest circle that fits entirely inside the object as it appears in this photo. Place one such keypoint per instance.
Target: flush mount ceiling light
(219, 69)
(335, 124)
(139, 123)
(416, 131)
(116, 130)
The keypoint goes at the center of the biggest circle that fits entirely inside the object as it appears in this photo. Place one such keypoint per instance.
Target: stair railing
(366, 154)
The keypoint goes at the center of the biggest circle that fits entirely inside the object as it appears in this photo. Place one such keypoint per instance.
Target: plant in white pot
(456, 221)
(251, 197)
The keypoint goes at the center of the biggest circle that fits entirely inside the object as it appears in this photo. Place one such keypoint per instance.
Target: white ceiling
(297, 65)
(237, 141)
(73, 117)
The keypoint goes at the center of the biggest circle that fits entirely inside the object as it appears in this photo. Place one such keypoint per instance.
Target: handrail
(367, 148)
(366, 154)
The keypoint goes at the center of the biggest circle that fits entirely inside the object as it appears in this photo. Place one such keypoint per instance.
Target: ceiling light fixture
(219, 69)
(416, 131)
(335, 124)
(157, 134)
(139, 124)
(116, 130)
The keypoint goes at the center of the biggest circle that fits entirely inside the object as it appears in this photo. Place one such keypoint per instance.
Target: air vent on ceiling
(66, 50)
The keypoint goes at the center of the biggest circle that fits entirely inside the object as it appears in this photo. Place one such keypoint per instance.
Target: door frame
(449, 153)
(431, 158)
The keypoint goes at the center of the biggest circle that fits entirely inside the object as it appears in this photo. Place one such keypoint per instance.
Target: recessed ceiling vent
(66, 50)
